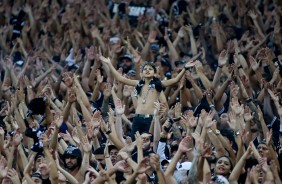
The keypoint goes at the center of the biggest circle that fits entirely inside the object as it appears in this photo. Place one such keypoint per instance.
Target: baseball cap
(126, 56)
(131, 72)
(72, 151)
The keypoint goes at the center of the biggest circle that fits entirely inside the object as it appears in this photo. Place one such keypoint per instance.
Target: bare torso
(145, 102)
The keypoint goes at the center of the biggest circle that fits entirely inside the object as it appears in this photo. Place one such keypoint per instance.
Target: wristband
(212, 106)
(240, 67)
(248, 100)
(54, 99)
(220, 66)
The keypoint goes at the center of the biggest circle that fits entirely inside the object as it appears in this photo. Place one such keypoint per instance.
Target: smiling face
(223, 166)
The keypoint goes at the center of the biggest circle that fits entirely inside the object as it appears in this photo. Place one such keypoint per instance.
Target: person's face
(164, 167)
(71, 162)
(223, 166)
(113, 155)
(100, 158)
(146, 141)
(223, 118)
(37, 180)
(263, 150)
(148, 71)
(38, 162)
(254, 127)
(126, 63)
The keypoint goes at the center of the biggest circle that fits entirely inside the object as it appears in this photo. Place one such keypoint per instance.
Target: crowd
(156, 91)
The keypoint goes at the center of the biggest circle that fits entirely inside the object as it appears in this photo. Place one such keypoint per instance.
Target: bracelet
(240, 67)
(212, 106)
(220, 66)
(248, 100)
(108, 131)
(107, 156)
(54, 99)
(29, 87)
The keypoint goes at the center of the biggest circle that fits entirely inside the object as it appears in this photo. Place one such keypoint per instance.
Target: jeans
(140, 123)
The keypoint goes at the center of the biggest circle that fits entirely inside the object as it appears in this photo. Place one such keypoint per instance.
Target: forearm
(85, 163)
(19, 120)
(96, 91)
(145, 51)
(160, 175)
(172, 165)
(52, 165)
(193, 173)
(236, 172)
(54, 140)
(207, 84)
(216, 78)
(118, 127)
(12, 158)
(22, 155)
(41, 77)
(193, 45)
(85, 112)
(216, 143)
(173, 54)
(66, 112)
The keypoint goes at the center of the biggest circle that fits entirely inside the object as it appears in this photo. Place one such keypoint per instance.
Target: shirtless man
(148, 90)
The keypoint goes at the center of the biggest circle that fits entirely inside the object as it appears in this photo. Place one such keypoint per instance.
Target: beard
(71, 167)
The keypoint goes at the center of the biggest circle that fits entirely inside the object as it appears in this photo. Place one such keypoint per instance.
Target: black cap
(36, 175)
(126, 56)
(73, 151)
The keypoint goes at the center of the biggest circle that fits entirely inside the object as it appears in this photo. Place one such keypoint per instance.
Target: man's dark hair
(150, 64)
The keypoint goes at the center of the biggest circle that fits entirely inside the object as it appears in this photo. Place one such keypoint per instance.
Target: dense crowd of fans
(156, 91)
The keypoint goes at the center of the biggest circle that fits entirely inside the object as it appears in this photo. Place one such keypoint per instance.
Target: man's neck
(74, 172)
(148, 80)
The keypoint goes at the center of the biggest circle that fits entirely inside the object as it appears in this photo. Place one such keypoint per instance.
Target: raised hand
(143, 166)
(107, 90)
(236, 107)
(85, 144)
(119, 108)
(222, 59)
(254, 64)
(248, 115)
(3, 168)
(184, 145)
(152, 37)
(252, 14)
(155, 162)
(99, 76)
(105, 60)
(13, 176)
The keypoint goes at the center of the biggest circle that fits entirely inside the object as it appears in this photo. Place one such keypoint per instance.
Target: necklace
(145, 96)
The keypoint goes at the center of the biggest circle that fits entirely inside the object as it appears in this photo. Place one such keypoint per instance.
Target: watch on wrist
(217, 132)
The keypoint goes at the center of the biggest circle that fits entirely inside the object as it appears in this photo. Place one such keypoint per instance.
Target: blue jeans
(140, 123)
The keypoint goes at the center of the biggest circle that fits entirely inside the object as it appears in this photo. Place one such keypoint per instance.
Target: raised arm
(116, 74)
